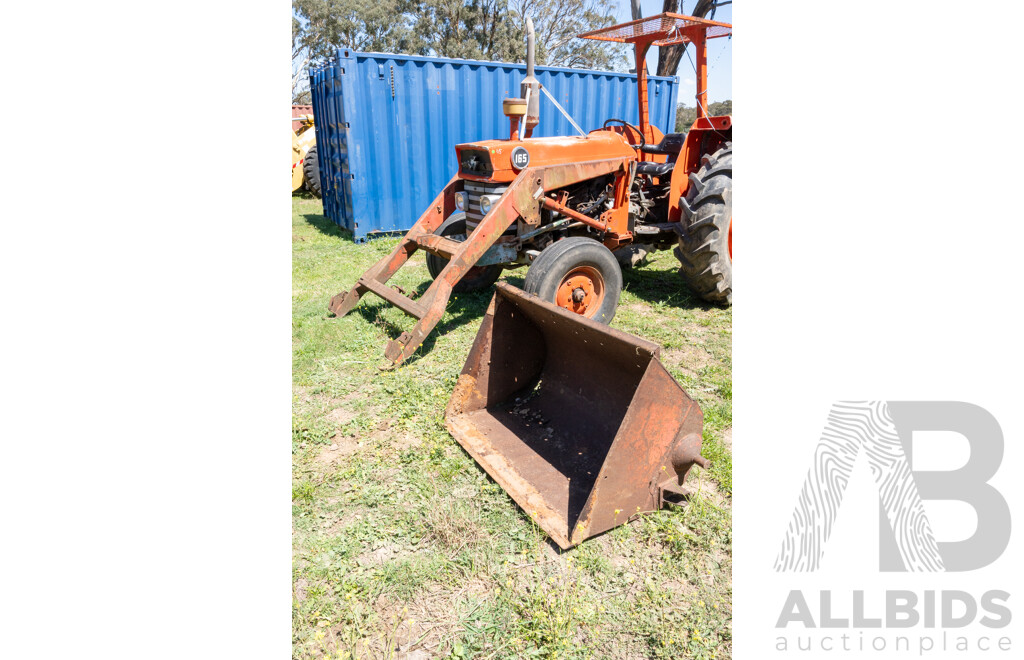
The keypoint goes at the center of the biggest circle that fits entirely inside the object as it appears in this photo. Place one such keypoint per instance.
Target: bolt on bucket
(579, 423)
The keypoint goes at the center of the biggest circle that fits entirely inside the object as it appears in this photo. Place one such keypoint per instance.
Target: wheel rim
(581, 291)
(730, 238)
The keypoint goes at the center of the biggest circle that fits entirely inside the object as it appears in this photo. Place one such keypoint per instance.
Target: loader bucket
(579, 423)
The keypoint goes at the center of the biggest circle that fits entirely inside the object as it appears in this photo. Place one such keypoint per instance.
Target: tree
(496, 30)
(470, 29)
(473, 29)
(634, 10)
(685, 116)
(557, 23)
(637, 13)
(321, 26)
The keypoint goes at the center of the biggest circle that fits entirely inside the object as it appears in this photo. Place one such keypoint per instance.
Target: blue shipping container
(387, 125)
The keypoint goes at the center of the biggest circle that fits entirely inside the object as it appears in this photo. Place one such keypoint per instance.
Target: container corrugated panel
(387, 125)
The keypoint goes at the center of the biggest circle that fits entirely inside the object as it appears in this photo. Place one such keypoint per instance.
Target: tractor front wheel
(311, 170)
(579, 274)
(478, 277)
(705, 246)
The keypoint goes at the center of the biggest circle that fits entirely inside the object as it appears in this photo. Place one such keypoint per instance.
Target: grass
(404, 548)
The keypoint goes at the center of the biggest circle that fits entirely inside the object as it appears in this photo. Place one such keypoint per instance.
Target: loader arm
(462, 256)
(522, 199)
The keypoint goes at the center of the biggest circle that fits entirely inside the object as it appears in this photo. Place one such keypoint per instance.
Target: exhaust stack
(530, 87)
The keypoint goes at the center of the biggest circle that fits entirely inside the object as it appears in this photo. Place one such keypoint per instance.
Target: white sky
(719, 54)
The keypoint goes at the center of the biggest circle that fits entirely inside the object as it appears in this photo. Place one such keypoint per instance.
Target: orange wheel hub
(581, 291)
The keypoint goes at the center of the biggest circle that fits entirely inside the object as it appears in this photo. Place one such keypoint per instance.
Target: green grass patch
(401, 543)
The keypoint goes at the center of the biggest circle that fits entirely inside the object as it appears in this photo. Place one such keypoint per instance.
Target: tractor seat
(670, 145)
(654, 169)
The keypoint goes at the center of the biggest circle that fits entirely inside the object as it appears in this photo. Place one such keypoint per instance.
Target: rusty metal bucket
(579, 423)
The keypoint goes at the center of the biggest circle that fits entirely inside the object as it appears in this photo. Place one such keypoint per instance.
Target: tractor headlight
(486, 201)
(460, 201)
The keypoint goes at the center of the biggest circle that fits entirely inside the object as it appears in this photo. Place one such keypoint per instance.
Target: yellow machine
(305, 170)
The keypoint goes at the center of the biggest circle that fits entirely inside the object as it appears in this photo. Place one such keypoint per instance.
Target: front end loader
(305, 171)
(563, 205)
(580, 423)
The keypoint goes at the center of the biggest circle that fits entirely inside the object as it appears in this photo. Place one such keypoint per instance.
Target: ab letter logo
(883, 430)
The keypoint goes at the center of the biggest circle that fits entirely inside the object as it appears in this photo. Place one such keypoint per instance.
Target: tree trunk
(670, 56)
(634, 6)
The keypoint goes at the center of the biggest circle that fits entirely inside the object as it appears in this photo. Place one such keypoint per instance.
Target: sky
(719, 54)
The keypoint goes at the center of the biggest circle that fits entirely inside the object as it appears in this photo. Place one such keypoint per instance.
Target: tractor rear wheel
(311, 170)
(705, 246)
(478, 277)
(579, 274)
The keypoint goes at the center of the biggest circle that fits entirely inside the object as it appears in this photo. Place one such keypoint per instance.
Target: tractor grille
(473, 192)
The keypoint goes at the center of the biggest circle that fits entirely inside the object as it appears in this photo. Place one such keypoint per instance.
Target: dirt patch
(382, 555)
(347, 518)
(630, 557)
(726, 439)
(339, 411)
(689, 358)
(340, 416)
(637, 310)
(419, 627)
(406, 441)
(300, 589)
(680, 588)
(339, 448)
(708, 489)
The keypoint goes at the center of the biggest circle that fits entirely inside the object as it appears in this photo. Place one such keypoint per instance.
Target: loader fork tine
(345, 302)
(383, 270)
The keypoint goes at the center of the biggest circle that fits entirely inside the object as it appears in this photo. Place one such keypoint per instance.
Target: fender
(706, 136)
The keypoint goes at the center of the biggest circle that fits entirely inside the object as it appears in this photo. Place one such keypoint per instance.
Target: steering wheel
(643, 140)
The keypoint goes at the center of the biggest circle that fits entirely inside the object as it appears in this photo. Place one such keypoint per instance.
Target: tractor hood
(502, 160)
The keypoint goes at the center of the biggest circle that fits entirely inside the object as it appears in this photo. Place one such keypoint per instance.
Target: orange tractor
(563, 205)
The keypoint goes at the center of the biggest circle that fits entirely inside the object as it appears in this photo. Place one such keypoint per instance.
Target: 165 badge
(520, 158)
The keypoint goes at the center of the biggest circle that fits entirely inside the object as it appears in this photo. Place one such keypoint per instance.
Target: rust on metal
(521, 201)
(575, 215)
(439, 245)
(578, 422)
(665, 29)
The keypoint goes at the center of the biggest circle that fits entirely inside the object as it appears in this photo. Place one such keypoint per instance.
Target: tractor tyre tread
(703, 250)
(311, 172)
